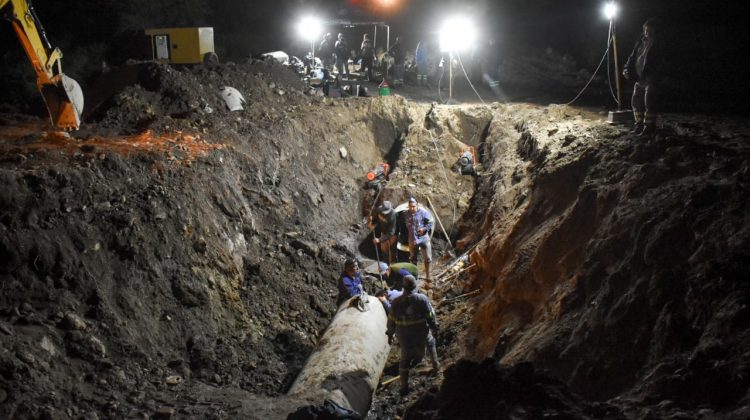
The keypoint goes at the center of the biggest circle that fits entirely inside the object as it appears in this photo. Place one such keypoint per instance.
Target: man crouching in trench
(412, 319)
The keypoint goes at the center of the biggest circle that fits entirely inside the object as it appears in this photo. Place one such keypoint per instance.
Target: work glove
(390, 339)
(626, 74)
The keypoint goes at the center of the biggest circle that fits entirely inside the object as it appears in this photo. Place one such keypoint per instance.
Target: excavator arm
(62, 94)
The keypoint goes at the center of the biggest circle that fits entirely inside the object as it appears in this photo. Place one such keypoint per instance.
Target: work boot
(637, 128)
(648, 130)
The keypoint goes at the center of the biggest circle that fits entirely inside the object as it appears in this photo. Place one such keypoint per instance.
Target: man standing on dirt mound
(644, 67)
(412, 320)
(419, 226)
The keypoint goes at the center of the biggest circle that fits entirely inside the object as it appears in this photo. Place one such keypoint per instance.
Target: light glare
(610, 10)
(457, 34)
(309, 27)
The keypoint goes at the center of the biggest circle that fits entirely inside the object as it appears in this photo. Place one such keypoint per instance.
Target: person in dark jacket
(412, 320)
(350, 282)
(367, 51)
(326, 50)
(398, 53)
(644, 67)
(421, 56)
(384, 230)
(341, 50)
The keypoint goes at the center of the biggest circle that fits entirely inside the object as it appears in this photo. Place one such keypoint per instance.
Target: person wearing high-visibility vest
(412, 320)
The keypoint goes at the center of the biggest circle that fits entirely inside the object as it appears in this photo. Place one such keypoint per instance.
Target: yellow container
(182, 45)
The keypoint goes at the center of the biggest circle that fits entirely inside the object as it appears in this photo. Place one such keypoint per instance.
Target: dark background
(706, 41)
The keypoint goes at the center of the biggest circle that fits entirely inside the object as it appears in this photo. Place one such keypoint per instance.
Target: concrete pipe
(347, 363)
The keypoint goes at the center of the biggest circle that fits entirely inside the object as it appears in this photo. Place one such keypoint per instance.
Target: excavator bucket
(64, 100)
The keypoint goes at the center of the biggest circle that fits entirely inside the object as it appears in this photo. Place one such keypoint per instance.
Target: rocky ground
(176, 259)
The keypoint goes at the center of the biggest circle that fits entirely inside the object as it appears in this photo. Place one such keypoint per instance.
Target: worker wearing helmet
(412, 320)
(384, 230)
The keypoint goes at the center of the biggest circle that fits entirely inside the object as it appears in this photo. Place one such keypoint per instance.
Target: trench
(349, 359)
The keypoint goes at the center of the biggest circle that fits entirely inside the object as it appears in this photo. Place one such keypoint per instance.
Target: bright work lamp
(310, 28)
(619, 116)
(457, 34)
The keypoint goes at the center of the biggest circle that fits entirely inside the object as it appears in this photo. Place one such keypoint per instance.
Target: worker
(386, 297)
(394, 274)
(341, 49)
(412, 320)
(326, 51)
(421, 56)
(418, 226)
(398, 53)
(644, 67)
(384, 230)
(350, 281)
(367, 51)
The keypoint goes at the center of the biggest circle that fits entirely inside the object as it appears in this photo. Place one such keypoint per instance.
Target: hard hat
(386, 208)
(383, 267)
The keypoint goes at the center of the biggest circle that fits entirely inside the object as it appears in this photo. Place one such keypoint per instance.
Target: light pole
(456, 34)
(310, 27)
(619, 116)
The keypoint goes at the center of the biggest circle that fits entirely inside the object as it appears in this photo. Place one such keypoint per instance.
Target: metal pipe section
(347, 363)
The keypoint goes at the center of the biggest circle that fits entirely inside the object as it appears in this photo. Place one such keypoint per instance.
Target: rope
(468, 80)
(609, 79)
(445, 175)
(606, 55)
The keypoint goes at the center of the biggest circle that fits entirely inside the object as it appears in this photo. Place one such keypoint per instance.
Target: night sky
(706, 39)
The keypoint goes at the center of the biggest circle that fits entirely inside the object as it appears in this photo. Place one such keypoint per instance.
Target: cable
(606, 55)
(445, 175)
(609, 79)
(442, 73)
(468, 80)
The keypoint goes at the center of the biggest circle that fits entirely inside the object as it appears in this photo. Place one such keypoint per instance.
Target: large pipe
(347, 363)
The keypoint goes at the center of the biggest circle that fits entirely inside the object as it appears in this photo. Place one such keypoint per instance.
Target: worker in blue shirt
(350, 282)
(419, 225)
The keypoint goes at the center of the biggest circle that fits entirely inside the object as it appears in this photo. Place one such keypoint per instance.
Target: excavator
(62, 94)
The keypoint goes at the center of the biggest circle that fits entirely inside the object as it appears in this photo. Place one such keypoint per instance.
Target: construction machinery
(183, 45)
(62, 95)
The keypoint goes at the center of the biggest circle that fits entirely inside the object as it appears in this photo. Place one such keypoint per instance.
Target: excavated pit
(190, 270)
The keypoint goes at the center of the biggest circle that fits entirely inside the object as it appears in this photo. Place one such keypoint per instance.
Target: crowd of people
(411, 317)
(339, 57)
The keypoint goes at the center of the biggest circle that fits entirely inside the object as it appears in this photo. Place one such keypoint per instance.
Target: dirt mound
(616, 262)
(140, 95)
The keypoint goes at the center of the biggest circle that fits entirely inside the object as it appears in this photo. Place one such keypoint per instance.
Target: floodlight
(310, 27)
(610, 10)
(457, 34)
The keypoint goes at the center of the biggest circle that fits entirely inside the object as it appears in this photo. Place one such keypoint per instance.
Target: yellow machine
(182, 45)
(62, 95)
